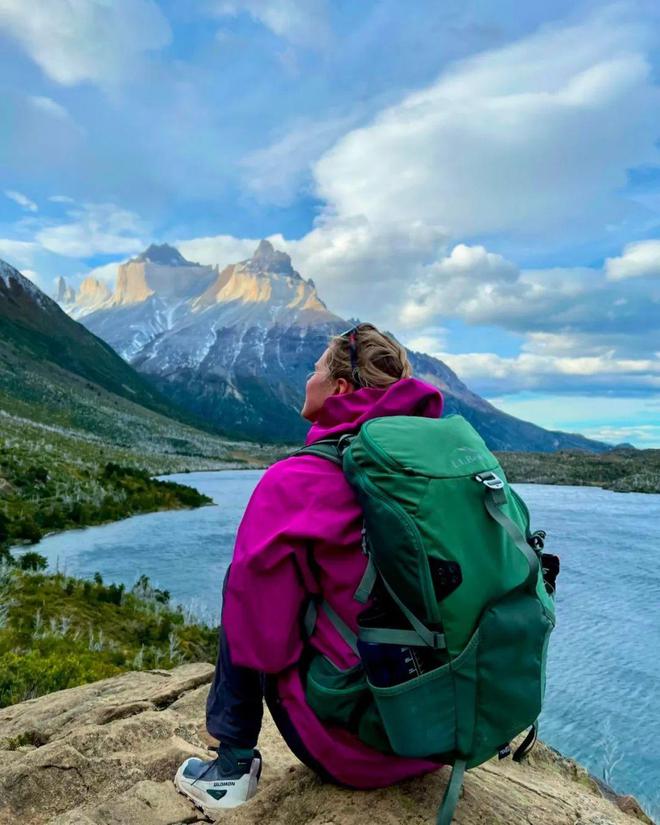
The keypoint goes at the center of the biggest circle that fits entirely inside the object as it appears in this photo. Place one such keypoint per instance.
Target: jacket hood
(347, 413)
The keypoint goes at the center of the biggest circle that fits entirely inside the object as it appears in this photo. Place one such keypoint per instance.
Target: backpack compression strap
(527, 744)
(495, 497)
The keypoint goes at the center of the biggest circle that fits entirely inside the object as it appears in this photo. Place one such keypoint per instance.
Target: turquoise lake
(603, 694)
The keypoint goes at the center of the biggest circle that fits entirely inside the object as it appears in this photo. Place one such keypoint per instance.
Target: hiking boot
(224, 782)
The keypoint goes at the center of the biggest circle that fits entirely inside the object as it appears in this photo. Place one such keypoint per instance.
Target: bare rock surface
(105, 754)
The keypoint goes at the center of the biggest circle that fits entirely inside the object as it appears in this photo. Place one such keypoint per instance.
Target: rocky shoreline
(105, 753)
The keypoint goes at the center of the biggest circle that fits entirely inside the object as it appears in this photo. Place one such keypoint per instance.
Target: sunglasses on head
(351, 337)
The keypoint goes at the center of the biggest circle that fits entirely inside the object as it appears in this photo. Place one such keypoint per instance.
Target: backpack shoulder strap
(328, 448)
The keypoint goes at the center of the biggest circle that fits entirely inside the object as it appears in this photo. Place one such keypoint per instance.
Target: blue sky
(481, 178)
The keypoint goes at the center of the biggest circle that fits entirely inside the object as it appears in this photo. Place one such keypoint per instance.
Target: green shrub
(28, 530)
(61, 631)
(32, 561)
(33, 674)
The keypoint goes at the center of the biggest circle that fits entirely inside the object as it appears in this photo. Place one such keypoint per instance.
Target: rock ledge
(105, 754)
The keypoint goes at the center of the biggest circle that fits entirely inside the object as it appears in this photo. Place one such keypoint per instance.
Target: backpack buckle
(490, 480)
(344, 442)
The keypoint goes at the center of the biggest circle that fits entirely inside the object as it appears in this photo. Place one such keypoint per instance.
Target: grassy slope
(45, 393)
(38, 339)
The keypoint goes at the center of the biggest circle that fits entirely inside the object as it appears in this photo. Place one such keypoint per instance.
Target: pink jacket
(300, 501)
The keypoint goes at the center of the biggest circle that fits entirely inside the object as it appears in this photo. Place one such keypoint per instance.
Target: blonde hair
(380, 359)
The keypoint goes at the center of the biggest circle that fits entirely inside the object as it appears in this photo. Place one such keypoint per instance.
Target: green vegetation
(52, 479)
(622, 470)
(60, 494)
(58, 632)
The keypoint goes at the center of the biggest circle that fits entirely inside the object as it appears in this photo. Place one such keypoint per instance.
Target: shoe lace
(214, 749)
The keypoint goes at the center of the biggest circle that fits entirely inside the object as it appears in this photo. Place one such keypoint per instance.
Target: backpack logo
(462, 456)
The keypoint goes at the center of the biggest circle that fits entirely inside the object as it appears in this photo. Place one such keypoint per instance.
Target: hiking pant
(234, 708)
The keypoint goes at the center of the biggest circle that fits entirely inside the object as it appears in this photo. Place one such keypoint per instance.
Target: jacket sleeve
(269, 578)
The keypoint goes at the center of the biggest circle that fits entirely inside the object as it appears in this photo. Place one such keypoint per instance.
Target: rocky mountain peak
(264, 250)
(162, 254)
(93, 288)
(64, 294)
(268, 259)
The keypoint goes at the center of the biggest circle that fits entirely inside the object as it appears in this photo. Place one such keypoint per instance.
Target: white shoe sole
(200, 798)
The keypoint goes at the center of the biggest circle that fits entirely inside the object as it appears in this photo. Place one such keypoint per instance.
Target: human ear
(342, 387)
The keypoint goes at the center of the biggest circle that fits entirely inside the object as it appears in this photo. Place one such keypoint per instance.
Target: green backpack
(450, 543)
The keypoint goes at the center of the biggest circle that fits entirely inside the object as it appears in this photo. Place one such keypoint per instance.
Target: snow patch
(9, 274)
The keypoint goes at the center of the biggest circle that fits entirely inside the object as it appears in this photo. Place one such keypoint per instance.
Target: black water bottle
(389, 664)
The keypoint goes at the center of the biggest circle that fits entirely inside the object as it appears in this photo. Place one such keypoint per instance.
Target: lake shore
(621, 470)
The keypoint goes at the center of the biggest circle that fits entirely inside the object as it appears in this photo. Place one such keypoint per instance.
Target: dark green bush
(32, 561)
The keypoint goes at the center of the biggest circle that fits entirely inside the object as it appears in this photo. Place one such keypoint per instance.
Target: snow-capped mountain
(234, 345)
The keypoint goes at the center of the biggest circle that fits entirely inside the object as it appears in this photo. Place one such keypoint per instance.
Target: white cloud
(278, 172)
(428, 342)
(642, 435)
(301, 22)
(86, 40)
(465, 282)
(95, 229)
(363, 268)
(18, 253)
(570, 311)
(22, 200)
(492, 373)
(639, 260)
(220, 249)
(49, 106)
(535, 137)
(61, 199)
